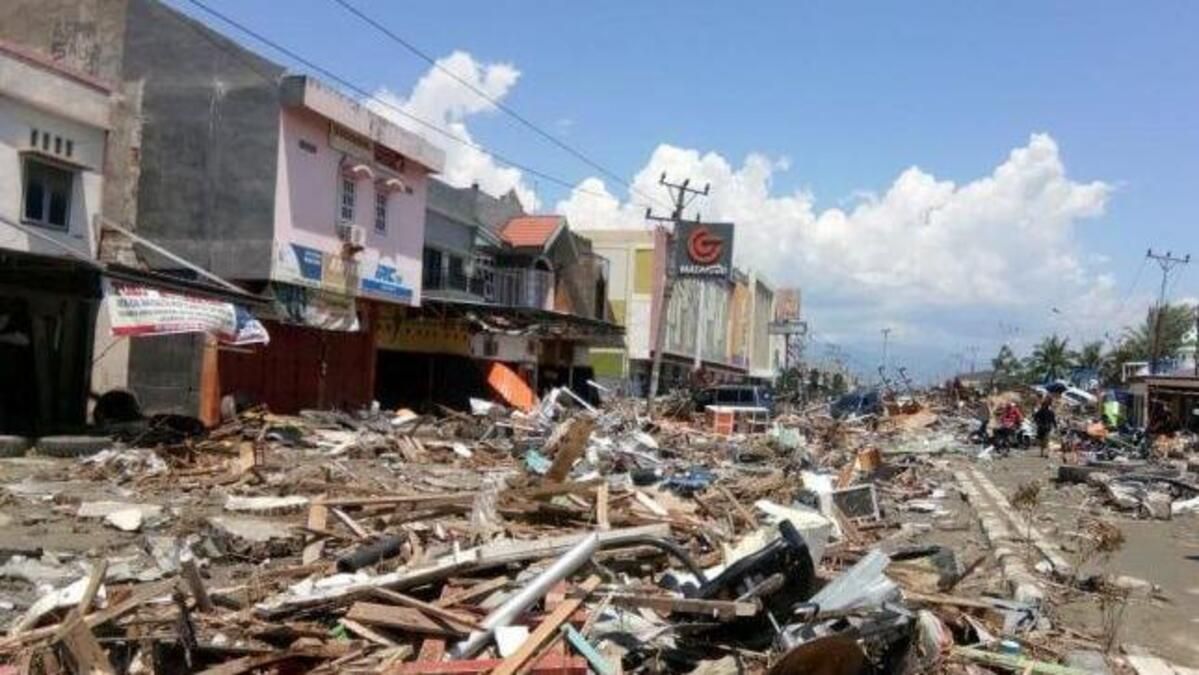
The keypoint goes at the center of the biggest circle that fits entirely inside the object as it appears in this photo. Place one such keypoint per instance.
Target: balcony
(504, 286)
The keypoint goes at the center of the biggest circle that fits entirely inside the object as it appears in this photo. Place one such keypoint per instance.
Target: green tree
(1136, 344)
(1176, 322)
(1091, 355)
(1050, 359)
(1005, 367)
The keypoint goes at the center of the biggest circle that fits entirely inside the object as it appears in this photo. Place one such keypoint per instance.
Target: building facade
(54, 124)
(716, 330)
(286, 187)
(503, 290)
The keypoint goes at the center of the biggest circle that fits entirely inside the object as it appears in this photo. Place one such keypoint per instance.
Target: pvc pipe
(525, 597)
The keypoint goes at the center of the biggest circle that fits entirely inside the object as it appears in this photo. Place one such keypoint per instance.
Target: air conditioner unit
(352, 235)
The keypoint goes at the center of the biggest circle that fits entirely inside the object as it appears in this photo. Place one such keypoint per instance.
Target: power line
(1133, 286)
(427, 58)
(370, 96)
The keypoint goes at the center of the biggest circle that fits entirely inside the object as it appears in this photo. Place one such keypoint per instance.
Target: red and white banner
(135, 310)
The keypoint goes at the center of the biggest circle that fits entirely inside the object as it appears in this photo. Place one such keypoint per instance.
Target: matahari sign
(703, 250)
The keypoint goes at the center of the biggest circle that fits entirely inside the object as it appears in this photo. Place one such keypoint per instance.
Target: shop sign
(387, 282)
(315, 308)
(135, 310)
(395, 332)
(703, 250)
(312, 267)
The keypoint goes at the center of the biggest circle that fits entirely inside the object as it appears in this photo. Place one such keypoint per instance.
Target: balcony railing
(511, 287)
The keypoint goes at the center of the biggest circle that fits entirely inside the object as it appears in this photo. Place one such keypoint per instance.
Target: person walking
(1045, 421)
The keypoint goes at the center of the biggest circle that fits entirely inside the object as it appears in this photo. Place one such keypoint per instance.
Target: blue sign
(309, 260)
(388, 282)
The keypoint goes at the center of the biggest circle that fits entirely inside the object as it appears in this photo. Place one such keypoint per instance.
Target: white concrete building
(53, 135)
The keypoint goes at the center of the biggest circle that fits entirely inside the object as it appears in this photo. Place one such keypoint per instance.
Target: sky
(964, 174)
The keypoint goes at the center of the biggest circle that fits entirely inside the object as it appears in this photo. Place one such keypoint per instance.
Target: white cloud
(439, 99)
(1003, 242)
(945, 261)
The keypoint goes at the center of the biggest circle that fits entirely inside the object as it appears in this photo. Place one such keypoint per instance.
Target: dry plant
(1027, 499)
(1101, 541)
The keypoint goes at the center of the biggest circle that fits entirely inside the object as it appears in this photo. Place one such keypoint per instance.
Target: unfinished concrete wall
(209, 141)
(88, 36)
(85, 35)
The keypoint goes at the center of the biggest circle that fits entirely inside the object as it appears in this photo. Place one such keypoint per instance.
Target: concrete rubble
(573, 539)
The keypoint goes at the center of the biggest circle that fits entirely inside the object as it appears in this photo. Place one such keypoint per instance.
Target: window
(457, 272)
(431, 269)
(380, 211)
(47, 194)
(347, 199)
(643, 270)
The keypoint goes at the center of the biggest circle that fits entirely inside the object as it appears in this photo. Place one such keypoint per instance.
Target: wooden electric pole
(681, 195)
(1167, 263)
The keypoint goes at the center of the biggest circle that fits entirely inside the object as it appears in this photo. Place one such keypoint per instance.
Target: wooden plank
(93, 586)
(359, 531)
(318, 517)
(548, 664)
(402, 618)
(601, 507)
(649, 503)
(249, 663)
(743, 512)
(141, 594)
(365, 632)
(431, 649)
(566, 444)
(191, 576)
(476, 591)
(547, 629)
(85, 650)
(432, 610)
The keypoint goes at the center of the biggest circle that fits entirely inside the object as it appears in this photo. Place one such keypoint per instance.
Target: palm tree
(1090, 356)
(1050, 359)
(1176, 321)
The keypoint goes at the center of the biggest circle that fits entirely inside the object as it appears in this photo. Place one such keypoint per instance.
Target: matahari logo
(703, 247)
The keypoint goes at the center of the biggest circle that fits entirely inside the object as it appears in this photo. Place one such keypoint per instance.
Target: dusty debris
(560, 538)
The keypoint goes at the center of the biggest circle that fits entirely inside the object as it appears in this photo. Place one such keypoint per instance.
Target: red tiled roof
(530, 231)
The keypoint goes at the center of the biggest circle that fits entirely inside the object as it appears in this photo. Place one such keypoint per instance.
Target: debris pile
(569, 539)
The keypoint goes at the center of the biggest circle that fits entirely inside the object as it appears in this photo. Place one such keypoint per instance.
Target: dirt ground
(1165, 553)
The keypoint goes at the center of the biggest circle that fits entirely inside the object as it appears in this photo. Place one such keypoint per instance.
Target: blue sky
(840, 99)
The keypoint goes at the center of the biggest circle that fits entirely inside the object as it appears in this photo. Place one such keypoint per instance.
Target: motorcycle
(1003, 439)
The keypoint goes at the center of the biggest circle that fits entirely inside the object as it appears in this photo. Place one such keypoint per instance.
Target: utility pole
(681, 194)
(1167, 263)
(973, 349)
(886, 336)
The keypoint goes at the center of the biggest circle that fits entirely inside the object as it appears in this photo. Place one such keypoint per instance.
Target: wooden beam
(85, 650)
(359, 531)
(191, 576)
(93, 586)
(431, 610)
(318, 517)
(547, 629)
(402, 618)
(365, 632)
(548, 664)
(476, 591)
(601, 507)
